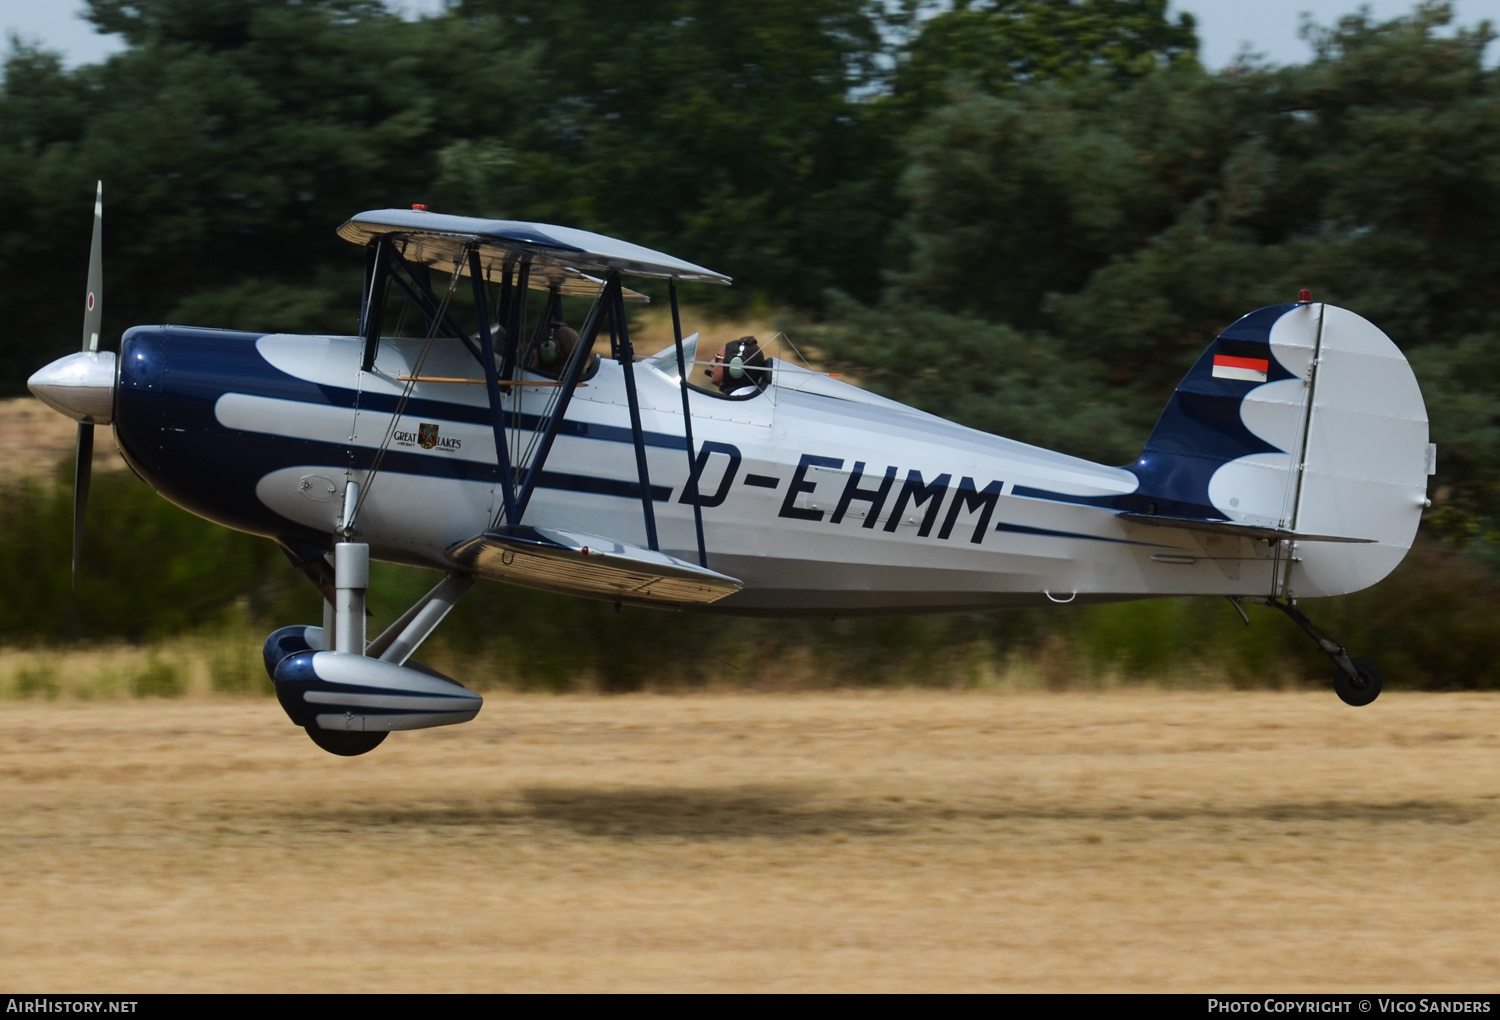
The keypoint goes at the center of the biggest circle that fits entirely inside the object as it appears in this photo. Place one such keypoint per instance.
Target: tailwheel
(1361, 689)
(1356, 681)
(348, 743)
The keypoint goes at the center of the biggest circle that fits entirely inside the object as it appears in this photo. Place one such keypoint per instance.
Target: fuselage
(819, 496)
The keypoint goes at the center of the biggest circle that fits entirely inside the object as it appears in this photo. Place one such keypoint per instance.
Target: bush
(159, 679)
(37, 682)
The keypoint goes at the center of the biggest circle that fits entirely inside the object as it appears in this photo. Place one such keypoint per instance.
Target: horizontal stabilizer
(579, 564)
(1231, 528)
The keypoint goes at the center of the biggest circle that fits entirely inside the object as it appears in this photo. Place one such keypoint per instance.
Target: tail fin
(1302, 418)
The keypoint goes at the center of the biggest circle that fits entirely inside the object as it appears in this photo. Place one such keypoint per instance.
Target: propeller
(82, 385)
(93, 315)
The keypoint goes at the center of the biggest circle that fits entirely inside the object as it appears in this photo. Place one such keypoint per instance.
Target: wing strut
(516, 324)
(380, 272)
(518, 481)
(687, 425)
(611, 305)
(505, 304)
(626, 356)
(374, 309)
(569, 381)
(492, 385)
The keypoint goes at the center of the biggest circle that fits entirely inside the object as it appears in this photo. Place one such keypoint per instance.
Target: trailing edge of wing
(579, 564)
(1231, 528)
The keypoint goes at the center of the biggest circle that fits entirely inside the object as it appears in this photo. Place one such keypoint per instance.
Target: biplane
(1291, 463)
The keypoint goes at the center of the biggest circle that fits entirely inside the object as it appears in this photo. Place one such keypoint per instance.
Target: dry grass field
(35, 440)
(1119, 840)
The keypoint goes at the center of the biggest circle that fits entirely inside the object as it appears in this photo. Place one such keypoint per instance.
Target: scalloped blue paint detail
(1201, 429)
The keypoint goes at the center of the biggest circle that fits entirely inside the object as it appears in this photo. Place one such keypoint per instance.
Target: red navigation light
(1304, 296)
(423, 208)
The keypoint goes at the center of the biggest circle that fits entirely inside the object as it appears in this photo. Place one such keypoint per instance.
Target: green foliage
(986, 375)
(1031, 215)
(234, 661)
(725, 133)
(146, 568)
(1430, 625)
(234, 135)
(157, 679)
(997, 45)
(1114, 227)
(1143, 638)
(268, 306)
(38, 681)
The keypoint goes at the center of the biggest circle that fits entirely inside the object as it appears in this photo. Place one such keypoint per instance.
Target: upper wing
(560, 256)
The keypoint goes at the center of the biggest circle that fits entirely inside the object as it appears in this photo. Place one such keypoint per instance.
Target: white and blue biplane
(1291, 463)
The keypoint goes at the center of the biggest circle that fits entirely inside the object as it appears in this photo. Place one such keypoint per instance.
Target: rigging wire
(406, 391)
(528, 453)
(781, 335)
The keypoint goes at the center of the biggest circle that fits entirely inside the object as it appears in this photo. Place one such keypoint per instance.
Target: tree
(1124, 225)
(731, 135)
(996, 45)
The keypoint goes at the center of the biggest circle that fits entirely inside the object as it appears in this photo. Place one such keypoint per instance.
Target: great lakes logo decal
(429, 437)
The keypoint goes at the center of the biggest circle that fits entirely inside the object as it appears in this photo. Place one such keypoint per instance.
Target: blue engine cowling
(338, 691)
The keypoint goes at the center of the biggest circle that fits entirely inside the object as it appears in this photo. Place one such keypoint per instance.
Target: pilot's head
(739, 365)
(557, 343)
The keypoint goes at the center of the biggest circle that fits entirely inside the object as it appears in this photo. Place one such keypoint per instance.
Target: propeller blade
(93, 317)
(93, 306)
(83, 468)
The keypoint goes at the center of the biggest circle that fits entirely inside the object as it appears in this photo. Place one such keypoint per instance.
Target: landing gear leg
(1355, 681)
(351, 568)
(359, 684)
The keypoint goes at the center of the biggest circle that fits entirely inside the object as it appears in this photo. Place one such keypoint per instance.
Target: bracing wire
(526, 452)
(781, 335)
(406, 391)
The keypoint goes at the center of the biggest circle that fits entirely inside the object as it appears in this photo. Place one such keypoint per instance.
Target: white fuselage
(1003, 523)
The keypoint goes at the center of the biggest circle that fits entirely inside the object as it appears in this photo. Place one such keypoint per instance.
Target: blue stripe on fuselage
(208, 370)
(172, 378)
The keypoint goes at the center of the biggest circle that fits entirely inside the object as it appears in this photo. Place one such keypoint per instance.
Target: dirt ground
(1127, 840)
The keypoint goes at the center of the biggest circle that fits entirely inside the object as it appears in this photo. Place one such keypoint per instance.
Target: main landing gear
(1355, 681)
(349, 693)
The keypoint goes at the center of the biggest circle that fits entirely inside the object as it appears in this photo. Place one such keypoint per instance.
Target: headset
(735, 366)
(546, 351)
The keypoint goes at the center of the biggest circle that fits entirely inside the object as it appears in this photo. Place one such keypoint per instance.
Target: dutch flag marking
(1247, 369)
